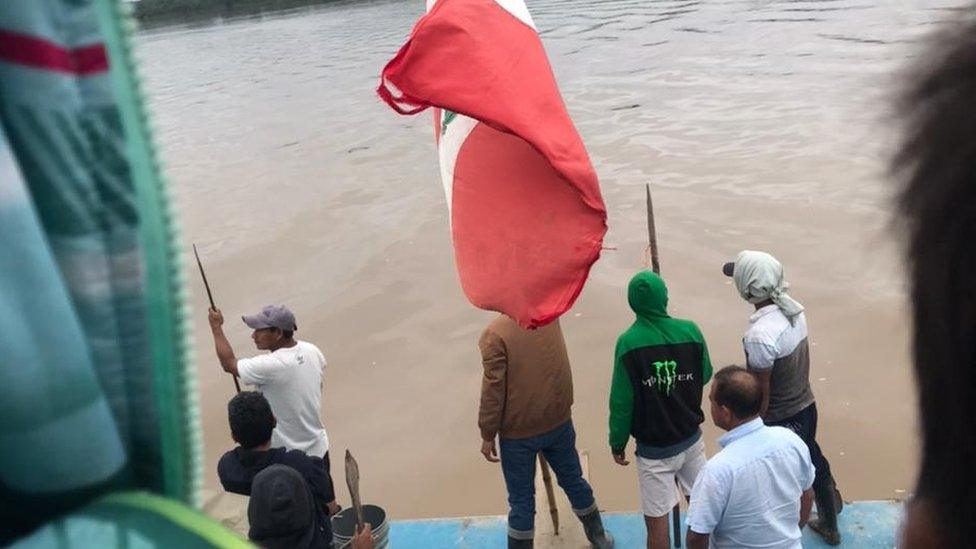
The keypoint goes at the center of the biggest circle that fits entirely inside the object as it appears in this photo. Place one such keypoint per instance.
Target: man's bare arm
(763, 377)
(806, 503)
(694, 540)
(225, 353)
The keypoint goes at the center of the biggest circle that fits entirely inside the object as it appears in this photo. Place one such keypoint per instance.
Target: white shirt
(771, 336)
(748, 495)
(291, 380)
(775, 345)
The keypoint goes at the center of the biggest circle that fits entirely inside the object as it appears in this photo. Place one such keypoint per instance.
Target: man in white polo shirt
(289, 376)
(757, 491)
(778, 353)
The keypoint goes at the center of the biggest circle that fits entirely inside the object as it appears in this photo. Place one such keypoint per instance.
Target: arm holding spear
(225, 353)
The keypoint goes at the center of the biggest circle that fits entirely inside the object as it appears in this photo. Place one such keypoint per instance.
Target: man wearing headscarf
(777, 352)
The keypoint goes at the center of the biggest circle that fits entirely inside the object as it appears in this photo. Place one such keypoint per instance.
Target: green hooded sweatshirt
(661, 366)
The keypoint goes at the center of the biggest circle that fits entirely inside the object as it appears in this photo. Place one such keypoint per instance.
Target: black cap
(728, 268)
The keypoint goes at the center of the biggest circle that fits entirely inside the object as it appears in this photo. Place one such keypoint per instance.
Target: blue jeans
(518, 465)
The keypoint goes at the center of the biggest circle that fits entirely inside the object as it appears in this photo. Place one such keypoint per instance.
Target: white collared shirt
(748, 495)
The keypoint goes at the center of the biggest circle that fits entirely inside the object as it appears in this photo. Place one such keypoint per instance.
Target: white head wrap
(759, 276)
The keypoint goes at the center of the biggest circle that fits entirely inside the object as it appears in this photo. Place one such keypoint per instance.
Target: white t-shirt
(748, 495)
(291, 380)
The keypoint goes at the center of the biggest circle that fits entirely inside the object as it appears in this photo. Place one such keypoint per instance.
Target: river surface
(760, 124)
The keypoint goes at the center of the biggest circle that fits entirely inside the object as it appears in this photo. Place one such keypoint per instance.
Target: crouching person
(251, 424)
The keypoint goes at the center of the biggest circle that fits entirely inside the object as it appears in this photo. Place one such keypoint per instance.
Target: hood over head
(648, 295)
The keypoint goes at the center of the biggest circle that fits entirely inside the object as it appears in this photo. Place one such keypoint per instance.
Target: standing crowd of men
(756, 492)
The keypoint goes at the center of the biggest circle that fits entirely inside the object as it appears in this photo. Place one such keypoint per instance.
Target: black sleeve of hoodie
(233, 476)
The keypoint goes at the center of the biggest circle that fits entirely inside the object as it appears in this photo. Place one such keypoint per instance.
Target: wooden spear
(237, 384)
(656, 267)
(652, 232)
(550, 493)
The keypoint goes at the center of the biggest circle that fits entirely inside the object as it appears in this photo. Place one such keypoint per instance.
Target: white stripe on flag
(515, 7)
(447, 150)
(518, 9)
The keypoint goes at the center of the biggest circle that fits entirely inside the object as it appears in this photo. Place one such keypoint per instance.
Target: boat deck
(864, 524)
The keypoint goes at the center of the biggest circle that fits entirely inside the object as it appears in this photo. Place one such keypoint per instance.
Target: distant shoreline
(162, 12)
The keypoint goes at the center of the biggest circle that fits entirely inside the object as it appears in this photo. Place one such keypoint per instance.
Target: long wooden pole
(203, 275)
(550, 493)
(656, 267)
(652, 232)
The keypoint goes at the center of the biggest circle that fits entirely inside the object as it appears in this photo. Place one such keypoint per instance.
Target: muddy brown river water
(760, 124)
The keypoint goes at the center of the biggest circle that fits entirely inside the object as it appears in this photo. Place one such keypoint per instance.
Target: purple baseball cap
(272, 316)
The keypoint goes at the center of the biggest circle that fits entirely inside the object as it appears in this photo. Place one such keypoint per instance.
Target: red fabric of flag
(527, 217)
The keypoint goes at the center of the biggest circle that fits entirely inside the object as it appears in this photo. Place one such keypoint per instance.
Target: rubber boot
(514, 543)
(825, 525)
(593, 526)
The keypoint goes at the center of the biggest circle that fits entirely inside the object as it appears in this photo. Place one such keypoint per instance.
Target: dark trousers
(804, 424)
(330, 487)
(519, 457)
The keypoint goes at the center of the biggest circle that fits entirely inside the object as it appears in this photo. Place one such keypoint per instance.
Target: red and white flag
(527, 217)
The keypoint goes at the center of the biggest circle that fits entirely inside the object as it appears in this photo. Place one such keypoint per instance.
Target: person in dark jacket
(660, 367)
(251, 424)
(282, 512)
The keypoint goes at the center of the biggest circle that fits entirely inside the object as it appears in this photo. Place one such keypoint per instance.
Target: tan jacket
(527, 387)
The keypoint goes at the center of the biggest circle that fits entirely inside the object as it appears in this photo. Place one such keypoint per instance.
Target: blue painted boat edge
(863, 524)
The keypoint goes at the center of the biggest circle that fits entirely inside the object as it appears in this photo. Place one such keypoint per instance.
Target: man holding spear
(661, 366)
(289, 376)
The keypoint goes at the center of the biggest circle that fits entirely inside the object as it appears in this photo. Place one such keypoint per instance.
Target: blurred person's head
(735, 397)
(281, 511)
(936, 166)
(251, 420)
